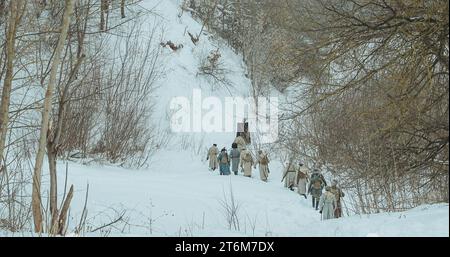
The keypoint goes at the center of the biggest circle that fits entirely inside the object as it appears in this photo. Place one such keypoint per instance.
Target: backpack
(247, 157)
(316, 181)
(224, 158)
(329, 197)
(337, 193)
(264, 160)
(301, 174)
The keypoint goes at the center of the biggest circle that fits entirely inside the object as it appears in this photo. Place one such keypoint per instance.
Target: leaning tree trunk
(63, 216)
(14, 18)
(36, 194)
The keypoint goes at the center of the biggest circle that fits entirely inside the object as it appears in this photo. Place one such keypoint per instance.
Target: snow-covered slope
(182, 68)
(178, 196)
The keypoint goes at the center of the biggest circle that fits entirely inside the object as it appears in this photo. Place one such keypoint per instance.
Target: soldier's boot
(313, 204)
(317, 205)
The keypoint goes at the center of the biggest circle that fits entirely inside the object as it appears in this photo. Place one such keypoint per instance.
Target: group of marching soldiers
(239, 157)
(328, 203)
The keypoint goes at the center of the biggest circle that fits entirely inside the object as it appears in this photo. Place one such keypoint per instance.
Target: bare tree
(14, 18)
(36, 195)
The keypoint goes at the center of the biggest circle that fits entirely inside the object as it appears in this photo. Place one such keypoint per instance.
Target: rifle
(286, 171)
(284, 176)
(309, 188)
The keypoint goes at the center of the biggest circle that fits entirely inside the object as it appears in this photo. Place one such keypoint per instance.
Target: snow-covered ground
(182, 198)
(177, 195)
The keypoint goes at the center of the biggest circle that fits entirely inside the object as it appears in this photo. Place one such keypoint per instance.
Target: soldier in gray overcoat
(235, 156)
(327, 204)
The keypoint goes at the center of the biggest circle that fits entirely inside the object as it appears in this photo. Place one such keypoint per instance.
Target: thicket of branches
(367, 82)
(76, 79)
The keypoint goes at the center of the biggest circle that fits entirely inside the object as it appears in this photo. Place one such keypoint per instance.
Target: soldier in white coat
(240, 141)
(263, 161)
(289, 175)
(302, 180)
(212, 157)
(246, 162)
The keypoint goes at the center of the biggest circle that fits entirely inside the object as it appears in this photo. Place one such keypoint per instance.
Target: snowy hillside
(176, 195)
(182, 72)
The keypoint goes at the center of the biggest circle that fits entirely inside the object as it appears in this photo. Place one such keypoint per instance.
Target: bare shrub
(15, 213)
(126, 132)
(192, 143)
(230, 209)
(213, 69)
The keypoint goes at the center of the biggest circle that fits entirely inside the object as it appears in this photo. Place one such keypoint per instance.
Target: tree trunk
(52, 155)
(122, 8)
(14, 18)
(102, 16)
(103, 10)
(36, 194)
(64, 211)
